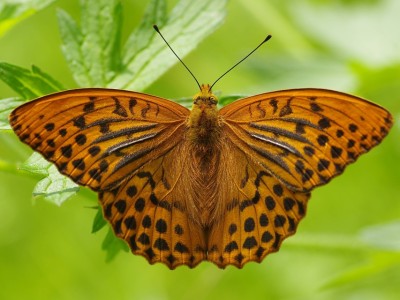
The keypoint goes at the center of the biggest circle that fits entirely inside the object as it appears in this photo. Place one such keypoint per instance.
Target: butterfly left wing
(125, 146)
(305, 137)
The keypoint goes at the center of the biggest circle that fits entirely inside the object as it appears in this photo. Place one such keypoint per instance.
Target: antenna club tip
(268, 38)
(156, 28)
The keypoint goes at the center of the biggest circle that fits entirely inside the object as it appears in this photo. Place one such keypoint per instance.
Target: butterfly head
(205, 98)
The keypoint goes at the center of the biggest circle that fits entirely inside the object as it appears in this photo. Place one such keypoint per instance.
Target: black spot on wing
(119, 109)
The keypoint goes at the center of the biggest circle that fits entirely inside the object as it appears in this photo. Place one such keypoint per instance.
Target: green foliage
(187, 24)
(54, 187)
(112, 245)
(222, 100)
(13, 12)
(28, 84)
(95, 56)
(6, 106)
(92, 50)
(99, 222)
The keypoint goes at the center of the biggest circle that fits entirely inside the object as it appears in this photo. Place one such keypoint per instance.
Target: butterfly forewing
(305, 137)
(98, 137)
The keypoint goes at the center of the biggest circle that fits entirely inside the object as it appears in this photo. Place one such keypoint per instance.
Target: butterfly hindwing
(260, 215)
(155, 225)
(305, 137)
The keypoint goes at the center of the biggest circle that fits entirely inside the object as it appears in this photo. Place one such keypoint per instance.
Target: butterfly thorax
(203, 123)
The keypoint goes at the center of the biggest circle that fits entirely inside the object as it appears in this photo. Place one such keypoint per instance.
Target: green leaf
(113, 245)
(222, 101)
(28, 84)
(94, 56)
(36, 164)
(92, 50)
(55, 187)
(225, 100)
(188, 24)
(99, 222)
(6, 106)
(12, 12)
(140, 38)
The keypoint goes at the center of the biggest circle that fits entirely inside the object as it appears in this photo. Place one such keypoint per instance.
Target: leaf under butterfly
(223, 100)
(54, 187)
(6, 106)
(99, 222)
(112, 245)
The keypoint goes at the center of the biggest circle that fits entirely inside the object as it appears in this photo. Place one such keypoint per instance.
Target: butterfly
(184, 186)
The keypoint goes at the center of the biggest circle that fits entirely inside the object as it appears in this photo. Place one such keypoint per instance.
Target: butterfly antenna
(158, 31)
(234, 66)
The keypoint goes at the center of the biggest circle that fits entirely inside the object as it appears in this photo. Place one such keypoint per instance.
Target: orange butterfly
(184, 186)
(180, 186)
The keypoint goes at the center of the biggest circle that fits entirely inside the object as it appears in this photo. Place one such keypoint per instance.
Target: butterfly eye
(212, 100)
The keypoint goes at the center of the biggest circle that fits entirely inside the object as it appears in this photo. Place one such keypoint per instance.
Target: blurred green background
(348, 246)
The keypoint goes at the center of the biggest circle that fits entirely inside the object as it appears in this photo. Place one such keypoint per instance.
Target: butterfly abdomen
(203, 139)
